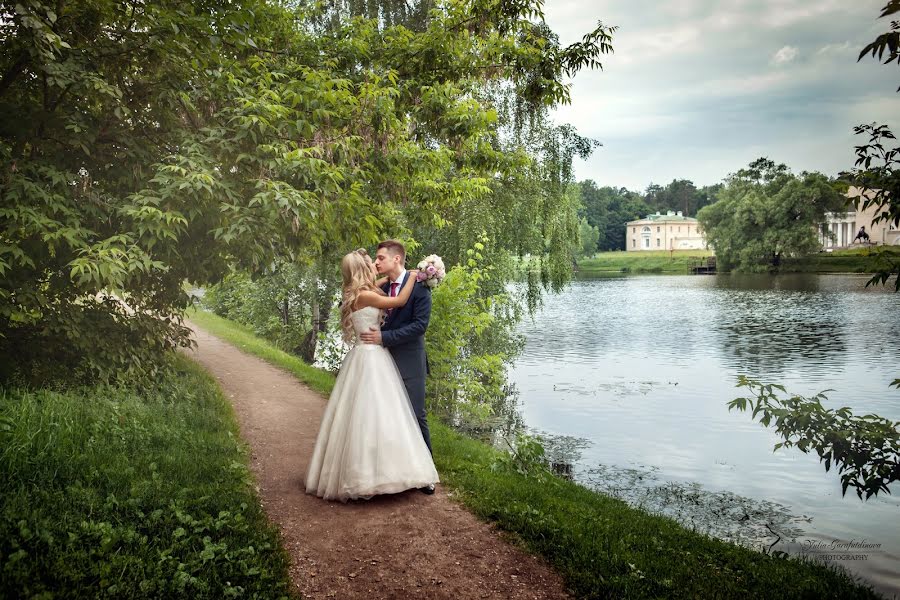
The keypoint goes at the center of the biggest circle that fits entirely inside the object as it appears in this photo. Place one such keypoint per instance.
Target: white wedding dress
(369, 441)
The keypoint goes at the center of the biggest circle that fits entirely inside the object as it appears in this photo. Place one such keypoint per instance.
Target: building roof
(669, 217)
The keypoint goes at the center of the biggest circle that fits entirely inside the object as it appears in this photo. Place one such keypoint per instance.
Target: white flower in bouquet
(431, 270)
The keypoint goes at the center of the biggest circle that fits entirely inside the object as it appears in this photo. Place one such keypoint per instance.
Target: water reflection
(643, 367)
(761, 331)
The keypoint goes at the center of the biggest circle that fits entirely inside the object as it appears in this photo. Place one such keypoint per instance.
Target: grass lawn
(856, 260)
(112, 492)
(601, 546)
(649, 261)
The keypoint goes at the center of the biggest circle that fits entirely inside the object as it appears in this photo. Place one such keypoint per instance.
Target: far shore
(679, 262)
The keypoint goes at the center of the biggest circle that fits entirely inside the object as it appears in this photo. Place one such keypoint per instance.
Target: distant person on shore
(862, 235)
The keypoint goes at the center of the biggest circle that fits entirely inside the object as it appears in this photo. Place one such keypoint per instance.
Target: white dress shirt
(398, 280)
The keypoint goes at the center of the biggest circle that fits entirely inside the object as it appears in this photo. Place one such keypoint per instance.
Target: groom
(403, 331)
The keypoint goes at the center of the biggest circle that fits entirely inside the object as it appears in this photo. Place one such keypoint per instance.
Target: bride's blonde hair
(357, 278)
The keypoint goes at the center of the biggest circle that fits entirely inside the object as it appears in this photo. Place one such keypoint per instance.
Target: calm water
(637, 371)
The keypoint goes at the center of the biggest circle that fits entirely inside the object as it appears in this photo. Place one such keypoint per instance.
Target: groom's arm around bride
(403, 331)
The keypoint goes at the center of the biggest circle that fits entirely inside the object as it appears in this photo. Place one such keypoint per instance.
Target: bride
(369, 441)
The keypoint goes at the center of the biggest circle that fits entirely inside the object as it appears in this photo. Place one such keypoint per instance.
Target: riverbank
(131, 493)
(855, 260)
(651, 261)
(601, 546)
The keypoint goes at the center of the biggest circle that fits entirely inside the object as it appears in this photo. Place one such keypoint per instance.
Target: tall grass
(601, 546)
(131, 493)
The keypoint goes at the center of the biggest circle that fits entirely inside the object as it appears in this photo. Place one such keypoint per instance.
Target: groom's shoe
(428, 489)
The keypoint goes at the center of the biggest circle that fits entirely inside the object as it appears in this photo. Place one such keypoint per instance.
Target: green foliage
(132, 493)
(875, 172)
(90, 98)
(765, 213)
(865, 450)
(604, 548)
(467, 348)
(889, 41)
(680, 194)
(287, 304)
(877, 176)
(148, 144)
(526, 456)
(588, 236)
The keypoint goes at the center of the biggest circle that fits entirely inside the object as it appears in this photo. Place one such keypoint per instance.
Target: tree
(707, 195)
(588, 236)
(92, 95)
(609, 209)
(129, 167)
(765, 213)
(889, 40)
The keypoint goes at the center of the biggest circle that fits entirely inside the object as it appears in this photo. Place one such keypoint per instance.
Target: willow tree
(145, 144)
(766, 213)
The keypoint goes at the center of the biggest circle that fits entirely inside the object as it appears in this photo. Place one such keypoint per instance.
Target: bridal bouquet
(431, 270)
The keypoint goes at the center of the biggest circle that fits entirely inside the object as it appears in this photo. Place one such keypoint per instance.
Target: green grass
(131, 493)
(856, 260)
(605, 548)
(650, 261)
(246, 340)
(601, 546)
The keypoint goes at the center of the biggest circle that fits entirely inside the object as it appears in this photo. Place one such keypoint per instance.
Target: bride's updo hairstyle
(357, 278)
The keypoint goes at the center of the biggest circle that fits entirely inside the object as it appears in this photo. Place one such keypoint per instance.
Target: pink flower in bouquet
(431, 270)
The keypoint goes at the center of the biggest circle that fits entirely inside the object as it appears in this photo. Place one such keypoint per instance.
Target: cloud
(842, 48)
(785, 55)
(698, 89)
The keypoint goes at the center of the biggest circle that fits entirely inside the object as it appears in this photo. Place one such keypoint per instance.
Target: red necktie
(393, 294)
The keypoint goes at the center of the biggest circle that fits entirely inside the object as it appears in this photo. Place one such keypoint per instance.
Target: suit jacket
(403, 331)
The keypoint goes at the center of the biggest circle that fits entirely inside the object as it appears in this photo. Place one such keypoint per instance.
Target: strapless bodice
(365, 318)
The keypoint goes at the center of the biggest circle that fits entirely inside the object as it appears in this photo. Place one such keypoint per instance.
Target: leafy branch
(864, 449)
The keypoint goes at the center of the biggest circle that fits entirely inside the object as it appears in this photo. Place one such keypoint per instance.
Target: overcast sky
(697, 89)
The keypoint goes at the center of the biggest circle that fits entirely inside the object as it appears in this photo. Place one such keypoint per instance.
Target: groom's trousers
(415, 387)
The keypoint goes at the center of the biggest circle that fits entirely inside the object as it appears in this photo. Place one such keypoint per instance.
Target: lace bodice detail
(365, 318)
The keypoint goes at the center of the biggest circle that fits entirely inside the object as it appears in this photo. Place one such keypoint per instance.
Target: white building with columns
(840, 229)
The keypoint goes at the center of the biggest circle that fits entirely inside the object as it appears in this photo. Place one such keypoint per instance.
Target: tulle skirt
(369, 441)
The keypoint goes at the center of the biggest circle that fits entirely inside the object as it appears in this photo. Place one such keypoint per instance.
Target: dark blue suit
(403, 334)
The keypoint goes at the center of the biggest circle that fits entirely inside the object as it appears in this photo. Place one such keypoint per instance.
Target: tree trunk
(285, 313)
(308, 349)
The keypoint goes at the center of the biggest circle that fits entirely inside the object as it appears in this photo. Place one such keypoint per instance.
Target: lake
(628, 378)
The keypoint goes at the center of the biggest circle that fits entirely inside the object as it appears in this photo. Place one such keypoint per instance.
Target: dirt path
(400, 546)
